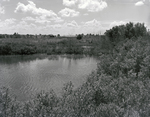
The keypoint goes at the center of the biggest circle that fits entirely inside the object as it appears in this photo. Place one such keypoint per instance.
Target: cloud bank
(89, 5)
(92, 5)
(42, 14)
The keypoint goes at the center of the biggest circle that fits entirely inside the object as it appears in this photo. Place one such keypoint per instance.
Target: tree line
(17, 35)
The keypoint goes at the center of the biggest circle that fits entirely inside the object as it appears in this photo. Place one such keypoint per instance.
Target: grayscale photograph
(74, 58)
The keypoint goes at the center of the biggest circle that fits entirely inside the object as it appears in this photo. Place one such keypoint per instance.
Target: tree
(140, 29)
(79, 37)
(127, 31)
(58, 35)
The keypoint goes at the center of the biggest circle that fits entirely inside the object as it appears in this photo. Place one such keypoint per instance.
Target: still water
(27, 75)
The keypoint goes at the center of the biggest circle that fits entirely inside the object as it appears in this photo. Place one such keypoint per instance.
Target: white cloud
(40, 20)
(92, 23)
(6, 0)
(20, 8)
(10, 21)
(28, 19)
(31, 7)
(22, 27)
(71, 28)
(116, 23)
(72, 24)
(57, 26)
(43, 14)
(58, 19)
(67, 25)
(36, 20)
(93, 26)
(68, 13)
(7, 22)
(25, 28)
(140, 3)
(69, 2)
(92, 5)
(5, 25)
(2, 11)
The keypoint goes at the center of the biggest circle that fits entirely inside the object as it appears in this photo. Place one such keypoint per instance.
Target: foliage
(5, 49)
(69, 46)
(79, 37)
(128, 31)
(28, 45)
(65, 47)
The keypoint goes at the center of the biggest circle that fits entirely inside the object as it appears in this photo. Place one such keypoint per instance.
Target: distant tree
(79, 37)
(16, 35)
(50, 35)
(58, 35)
(27, 35)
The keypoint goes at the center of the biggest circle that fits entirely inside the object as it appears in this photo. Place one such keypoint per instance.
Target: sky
(70, 17)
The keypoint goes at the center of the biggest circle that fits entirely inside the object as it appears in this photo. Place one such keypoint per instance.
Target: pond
(27, 75)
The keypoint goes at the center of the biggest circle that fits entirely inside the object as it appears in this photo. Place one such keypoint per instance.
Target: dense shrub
(5, 49)
(130, 30)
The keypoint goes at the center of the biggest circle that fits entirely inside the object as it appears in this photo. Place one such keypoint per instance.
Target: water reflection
(15, 59)
(27, 75)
